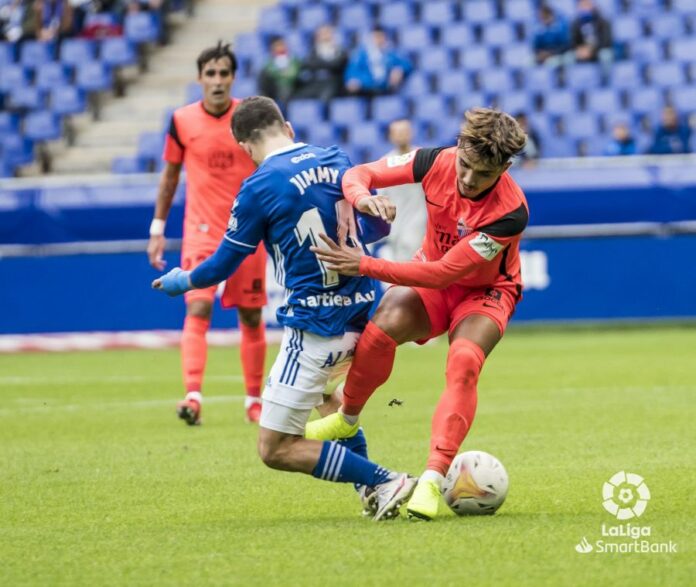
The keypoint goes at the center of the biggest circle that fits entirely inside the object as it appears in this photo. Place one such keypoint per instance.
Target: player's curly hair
(253, 116)
(220, 51)
(493, 137)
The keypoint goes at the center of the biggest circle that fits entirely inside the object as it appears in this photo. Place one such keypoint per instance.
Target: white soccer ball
(476, 484)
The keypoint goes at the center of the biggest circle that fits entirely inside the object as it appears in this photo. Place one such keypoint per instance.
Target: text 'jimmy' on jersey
(288, 202)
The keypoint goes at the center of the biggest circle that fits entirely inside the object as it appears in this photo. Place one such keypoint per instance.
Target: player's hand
(380, 206)
(155, 252)
(342, 259)
(174, 283)
(347, 229)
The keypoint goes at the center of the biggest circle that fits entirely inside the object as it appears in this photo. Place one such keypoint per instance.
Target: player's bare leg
(194, 354)
(470, 343)
(253, 354)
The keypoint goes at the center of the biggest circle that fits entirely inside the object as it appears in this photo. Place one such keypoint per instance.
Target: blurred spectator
(672, 136)
(552, 36)
(591, 34)
(54, 19)
(622, 142)
(321, 73)
(374, 68)
(409, 226)
(279, 75)
(12, 20)
(532, 147)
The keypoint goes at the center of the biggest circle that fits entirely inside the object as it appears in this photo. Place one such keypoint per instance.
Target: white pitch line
(78, 380)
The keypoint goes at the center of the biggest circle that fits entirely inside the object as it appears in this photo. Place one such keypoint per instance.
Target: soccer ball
(476, 484)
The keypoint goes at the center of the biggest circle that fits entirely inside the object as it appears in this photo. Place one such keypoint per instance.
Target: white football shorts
(305, 367)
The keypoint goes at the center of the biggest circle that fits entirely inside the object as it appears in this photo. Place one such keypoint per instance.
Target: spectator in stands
(54, 19)
(622, 142)
(321, 73)
(672, 136)
(591, 34)
(12, 20)
(532, 148)
(278, 77)
(408, 227)
(374, 68)
(552, 36)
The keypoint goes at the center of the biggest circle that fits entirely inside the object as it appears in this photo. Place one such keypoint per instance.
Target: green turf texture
(102, 485)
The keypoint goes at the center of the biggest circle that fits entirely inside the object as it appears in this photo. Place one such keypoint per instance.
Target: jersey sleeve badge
(485, 246)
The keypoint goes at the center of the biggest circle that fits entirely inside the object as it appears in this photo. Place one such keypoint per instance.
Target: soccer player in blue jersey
(287, 203)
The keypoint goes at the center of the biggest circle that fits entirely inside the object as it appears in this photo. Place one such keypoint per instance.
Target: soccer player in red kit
(465, 280)
(199, 138)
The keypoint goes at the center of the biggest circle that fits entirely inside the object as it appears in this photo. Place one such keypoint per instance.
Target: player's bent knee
(250, 316)
(199, 309)
(275, 453)
(464, 362)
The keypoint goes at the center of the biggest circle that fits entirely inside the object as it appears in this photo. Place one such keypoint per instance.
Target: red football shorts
(448, 307)
(245, 288)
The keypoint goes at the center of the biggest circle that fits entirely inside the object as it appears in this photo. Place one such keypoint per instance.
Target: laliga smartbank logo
(625, 496)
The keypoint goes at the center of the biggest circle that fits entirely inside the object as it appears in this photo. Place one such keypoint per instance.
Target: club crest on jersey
(398, 160)
(232, 224)
(462, 229)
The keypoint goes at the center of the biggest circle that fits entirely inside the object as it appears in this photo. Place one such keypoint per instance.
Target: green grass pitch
(102, 485)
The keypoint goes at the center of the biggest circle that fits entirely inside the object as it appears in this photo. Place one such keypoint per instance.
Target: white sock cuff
(431, 475)
(351, 419)
(195, 396)
(250, 401)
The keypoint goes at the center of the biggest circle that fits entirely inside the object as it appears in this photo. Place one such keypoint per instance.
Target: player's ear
(290, 130)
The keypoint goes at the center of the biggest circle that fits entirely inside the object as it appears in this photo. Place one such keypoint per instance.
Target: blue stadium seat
(244, 87)
(557, 146)
(67, 100)
(684, 99)
(12, 76)
(627, 27)
(17, 149)
(437, 12)
(128, 165)
(142, 27)
(345, 111)
(519, 10)
(7, 53)
(430, 108)
(415, 37)
(456, 36)
(594, 146)
(625, 75)
(608, 7)
(51, 74)
(93, 77)
(581, 125)
(435, 59)
(306, 112)
(396, 14)
(646, 50)
(118, 52)
(583, 76)
(365, 134)
(453, 84)
(471, 100)
(322, 134)
(603, 101)
(560, 102)
(683, 49)
(497, 81)
(274, 20)
(667, 26)
(540, 79)
(385, 109)
(498, 34)
(416, 85)
(299, 43)
(479, 11)
(444, 132)
(354, 17)
(42, 126)
(685, 7)
(26, 98)
(195, 93)
(647, 100)
(476, 58)
(248, 45)
(150, 145)
(313, 16)
(514, 102)
(519, 55)
(34, 53)
(9, 122)
(667, 75)
(78, 51)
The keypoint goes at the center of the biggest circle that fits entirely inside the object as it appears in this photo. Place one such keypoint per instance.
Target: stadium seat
(150, 145)
(471, 100)
(365, 134)
(12, 76)
(453, 84)
(456, 36)
(479, 11)
(128, 165)
(414, 38)
(430, 108)
(684, 7)
(435, 59)
(476, 58)
(514, 102)
(274, 20)
(560, 102)
(519, 10)
(244, 87)
(667, 75)
(583, 76)
(646, 50)
(17, 149)
(684, 98)
(581, 125)
(667, 26)
(540, 79)
(34, 53)
(9, 122)
(438, 12)
(627, 27)
(396, 14)
(7, 53)
(345, 111)
(142, 27)
(50, 75)
(625, 75)
(42, 126)
(497, 81)
(498, 34)
(354, 17)
(417, 84)
(603, 101)
(118, 52)
(93, 77)
(388, 108)
(248, 45)
(558, 147)
(66, 100)
(306, 112)
(322, 134)
(518, 55)
(313, 16)
(195, 93)
(683, 49)
(78, 51)
(26, 98)
(647, 100)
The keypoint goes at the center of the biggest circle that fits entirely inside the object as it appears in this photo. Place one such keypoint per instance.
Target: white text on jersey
(314, 175)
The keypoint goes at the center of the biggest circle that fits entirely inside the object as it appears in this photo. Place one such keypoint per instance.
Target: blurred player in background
(408, 227)
(466, 281)
(199, 138)
(291, 199)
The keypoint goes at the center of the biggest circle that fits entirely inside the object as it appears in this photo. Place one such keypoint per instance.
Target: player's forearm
(218, 267)
(169, 181)
(358, 181)
(433, 275)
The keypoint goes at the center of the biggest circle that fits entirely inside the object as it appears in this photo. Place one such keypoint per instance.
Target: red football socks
(457, 406)
(371, 367)
(194, 351)
(253, 354)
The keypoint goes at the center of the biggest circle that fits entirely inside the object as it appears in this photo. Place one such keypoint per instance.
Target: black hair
(253, 116)
(214, 53)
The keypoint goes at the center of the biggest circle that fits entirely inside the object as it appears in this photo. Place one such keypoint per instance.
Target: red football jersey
(215, 166)
(471, 242)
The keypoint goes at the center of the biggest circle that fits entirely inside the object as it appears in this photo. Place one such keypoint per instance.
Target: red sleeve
(358, 181)
(476, 249)
(173, 148)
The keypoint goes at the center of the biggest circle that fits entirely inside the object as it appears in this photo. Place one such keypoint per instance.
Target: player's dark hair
(253, 117)
(214, 53)
(493, 137)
